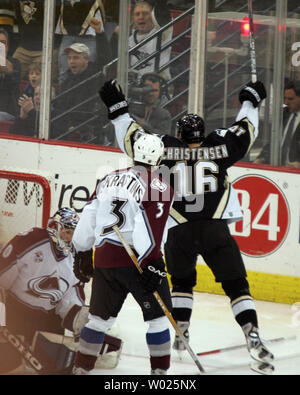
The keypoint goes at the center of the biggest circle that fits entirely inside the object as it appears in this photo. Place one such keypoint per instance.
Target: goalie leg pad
(111, 344)
(55, 357)
(98, 350)
(110, 353)
(80, 320)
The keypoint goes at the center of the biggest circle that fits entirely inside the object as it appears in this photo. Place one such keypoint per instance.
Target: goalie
(42, 298)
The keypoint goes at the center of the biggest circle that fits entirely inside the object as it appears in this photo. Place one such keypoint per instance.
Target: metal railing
(160, 47)
(183, 74)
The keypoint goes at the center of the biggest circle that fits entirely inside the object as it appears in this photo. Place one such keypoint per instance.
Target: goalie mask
(63, 220)
(148, 149)
(191, 129)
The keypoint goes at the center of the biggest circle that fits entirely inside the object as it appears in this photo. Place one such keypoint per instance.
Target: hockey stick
(159, 300)
(2, 307)
(241, 346)
(14, 340)
(28, 354)
(22, 348)
(252, 43)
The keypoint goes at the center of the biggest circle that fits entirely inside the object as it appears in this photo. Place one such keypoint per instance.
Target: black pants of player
(209, 238)
(212, 240)
(111, 286)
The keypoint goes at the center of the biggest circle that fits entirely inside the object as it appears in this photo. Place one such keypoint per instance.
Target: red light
(245, 27)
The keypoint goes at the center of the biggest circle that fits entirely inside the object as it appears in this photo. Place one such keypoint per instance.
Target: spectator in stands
(10, 77)
(7, 20)
(27, 123)
(29, 17)
(151, 115)
(34, 78)
(147, 19)
(30, 20)
(290, 144)
(74, 26)
(80, 87)
(112, 12)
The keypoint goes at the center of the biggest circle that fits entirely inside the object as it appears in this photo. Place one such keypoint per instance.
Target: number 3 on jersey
(117, 205)
(160, 207)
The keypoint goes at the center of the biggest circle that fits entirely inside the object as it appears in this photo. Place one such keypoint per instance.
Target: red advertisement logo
(266, 216)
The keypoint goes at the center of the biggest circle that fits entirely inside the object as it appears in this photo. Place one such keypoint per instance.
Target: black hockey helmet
(191, 129)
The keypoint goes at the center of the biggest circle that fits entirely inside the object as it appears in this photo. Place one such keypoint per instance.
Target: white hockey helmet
(148, 149)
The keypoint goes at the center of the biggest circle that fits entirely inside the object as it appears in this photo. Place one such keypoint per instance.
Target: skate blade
(262, 368)
(269, 358)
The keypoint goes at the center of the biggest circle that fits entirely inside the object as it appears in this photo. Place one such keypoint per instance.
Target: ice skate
(178, 344)
(78, 371)
(258, 351)
(264, 368)
(158, 372)
(256, 348)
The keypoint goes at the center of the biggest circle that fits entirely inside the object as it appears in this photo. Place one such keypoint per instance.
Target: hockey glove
(113, 97)
(83, 265)
(153, 275)
(254, 92)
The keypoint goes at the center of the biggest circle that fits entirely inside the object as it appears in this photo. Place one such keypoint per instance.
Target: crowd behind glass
(85, 49)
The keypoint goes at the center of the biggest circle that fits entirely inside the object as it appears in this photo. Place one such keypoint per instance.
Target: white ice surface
(212, 327)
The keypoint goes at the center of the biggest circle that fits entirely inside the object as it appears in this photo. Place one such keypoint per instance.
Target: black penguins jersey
(199, 175)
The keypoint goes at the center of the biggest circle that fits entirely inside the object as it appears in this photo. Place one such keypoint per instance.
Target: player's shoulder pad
(244, 126)
(26, 241)
(221, 132)
(21, 244)
(134, 131)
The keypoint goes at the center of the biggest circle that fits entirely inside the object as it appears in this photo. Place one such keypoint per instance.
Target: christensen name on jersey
(201, 153)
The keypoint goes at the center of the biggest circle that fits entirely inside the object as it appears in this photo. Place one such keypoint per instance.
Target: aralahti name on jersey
(201, 153)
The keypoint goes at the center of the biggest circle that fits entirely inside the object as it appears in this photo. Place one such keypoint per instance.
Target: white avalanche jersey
(37, 274)
(139, 203)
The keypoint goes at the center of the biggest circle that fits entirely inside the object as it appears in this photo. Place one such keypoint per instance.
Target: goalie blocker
(57, 352)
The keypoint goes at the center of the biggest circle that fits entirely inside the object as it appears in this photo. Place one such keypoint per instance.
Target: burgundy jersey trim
(110, 254)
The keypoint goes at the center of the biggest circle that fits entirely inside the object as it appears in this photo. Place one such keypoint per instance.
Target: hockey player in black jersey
(205, 203)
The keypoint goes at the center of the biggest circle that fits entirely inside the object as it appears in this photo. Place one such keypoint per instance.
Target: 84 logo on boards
(266, 216)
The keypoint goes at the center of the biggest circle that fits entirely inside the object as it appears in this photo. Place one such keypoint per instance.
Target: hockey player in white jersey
(42, 293)
(138, 201)
(201, 224)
